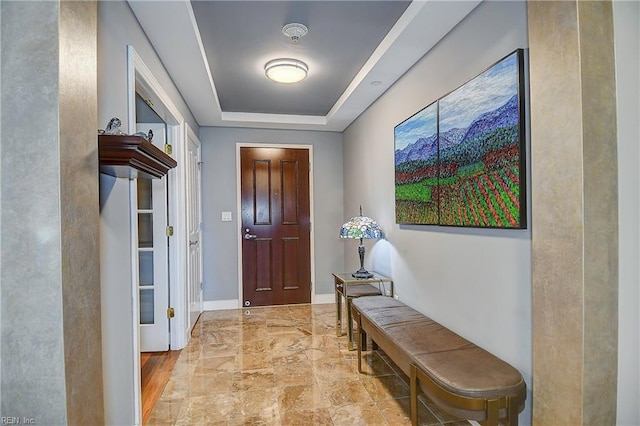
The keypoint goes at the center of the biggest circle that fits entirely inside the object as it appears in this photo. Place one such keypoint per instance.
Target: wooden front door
(276, 253)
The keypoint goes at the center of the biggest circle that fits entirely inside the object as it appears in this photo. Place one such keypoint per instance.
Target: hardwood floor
(155, 368)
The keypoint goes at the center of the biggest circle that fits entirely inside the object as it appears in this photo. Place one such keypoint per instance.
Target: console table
(349, 287)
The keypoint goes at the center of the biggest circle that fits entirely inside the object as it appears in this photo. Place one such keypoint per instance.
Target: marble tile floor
(283, 365)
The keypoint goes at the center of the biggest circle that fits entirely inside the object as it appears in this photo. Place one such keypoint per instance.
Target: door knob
(248, 236)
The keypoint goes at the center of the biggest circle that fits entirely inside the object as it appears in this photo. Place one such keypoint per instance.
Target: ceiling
(355, 49)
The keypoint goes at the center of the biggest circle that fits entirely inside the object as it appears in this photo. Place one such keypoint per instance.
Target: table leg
(338, 311)
(360, 339)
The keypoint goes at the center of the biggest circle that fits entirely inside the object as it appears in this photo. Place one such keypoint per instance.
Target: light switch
(226, 216)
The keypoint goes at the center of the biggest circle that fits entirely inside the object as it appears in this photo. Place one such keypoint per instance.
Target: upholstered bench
(458, 376)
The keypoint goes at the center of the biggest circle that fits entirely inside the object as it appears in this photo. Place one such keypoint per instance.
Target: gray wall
(626, 15)
(220, 247)
(117, 28)
(476, 282)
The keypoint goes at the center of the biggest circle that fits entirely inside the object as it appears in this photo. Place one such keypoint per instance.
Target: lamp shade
(361, 227)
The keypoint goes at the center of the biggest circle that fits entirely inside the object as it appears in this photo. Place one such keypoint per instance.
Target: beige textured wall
(574, 222)
(51, 331)
(601, 212)
(79, 212)
(32, 354)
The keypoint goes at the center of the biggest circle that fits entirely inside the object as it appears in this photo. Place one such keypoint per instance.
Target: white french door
(153, 254)
(194, 220)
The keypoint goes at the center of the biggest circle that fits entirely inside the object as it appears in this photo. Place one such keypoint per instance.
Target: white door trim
(140, 78)
(239, 210)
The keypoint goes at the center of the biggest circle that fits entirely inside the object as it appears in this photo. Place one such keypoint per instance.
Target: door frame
(140, 78)
(239, 210)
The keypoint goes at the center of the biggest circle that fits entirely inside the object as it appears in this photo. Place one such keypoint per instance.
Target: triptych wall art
(460, 161)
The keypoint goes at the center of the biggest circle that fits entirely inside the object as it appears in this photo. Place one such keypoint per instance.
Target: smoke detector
(295, 32)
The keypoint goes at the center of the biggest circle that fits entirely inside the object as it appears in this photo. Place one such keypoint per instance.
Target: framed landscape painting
(482, 150)
(416, 167)
(471, 171)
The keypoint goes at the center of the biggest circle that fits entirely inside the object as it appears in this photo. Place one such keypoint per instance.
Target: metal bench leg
(492, 412)
(349, 325)
(512, 411)
(413, 381)
(361, 336)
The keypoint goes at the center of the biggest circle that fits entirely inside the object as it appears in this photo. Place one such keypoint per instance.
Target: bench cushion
(379, 302)
(471, 372)
(359, 290)
(452, 362)
(402, 332)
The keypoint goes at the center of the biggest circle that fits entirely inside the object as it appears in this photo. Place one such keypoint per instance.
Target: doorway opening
(140, 81)
(152, 201)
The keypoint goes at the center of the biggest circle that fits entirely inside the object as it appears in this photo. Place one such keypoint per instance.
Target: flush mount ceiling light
(286, 70)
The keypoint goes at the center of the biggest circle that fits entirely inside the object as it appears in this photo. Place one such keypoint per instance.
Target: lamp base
(362, 274)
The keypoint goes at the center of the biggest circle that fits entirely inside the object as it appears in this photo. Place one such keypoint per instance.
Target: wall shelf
(132, 157)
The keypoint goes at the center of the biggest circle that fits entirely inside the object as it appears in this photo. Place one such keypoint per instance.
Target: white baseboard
(218, 305)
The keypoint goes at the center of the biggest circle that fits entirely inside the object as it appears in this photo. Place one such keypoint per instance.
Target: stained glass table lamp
(361, 227)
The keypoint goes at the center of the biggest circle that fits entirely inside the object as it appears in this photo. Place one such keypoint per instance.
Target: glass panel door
(153, 253)
(145, 251)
